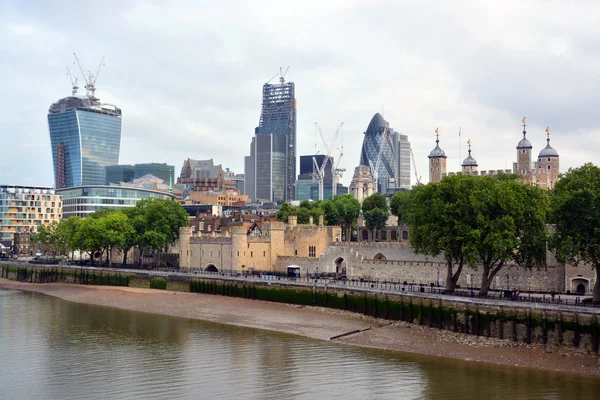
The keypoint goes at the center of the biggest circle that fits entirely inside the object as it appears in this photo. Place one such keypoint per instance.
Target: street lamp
(507, 283)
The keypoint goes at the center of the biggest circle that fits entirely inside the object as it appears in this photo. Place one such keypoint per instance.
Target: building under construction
(270, 170)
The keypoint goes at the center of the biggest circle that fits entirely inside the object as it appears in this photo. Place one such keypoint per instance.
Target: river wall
(557, 327)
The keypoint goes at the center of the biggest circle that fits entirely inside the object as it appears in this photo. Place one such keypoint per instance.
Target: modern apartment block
(25, 208)
(85, 137)
(270, 170)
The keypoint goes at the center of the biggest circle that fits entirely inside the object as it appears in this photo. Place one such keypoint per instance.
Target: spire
(548, 135)
(548, 151)
(469, 161)
(524, 121)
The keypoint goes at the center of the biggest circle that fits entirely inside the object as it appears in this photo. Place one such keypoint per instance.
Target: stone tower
(362, 185)
(524, 156)
(437, 161)
(469, 165)
(548, 165)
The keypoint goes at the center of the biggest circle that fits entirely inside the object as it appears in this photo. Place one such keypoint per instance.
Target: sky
(188, 76)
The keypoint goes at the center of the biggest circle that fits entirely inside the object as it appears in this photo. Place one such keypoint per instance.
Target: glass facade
(161, 171)
(278, 117)
(119, 173)
(269, 167)
(80, 201)
(378, 151)
(85, 137)
(309, 190)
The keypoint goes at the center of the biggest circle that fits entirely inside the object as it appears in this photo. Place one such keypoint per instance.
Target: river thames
(54, 349)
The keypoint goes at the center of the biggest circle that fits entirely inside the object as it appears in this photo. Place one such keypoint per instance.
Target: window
(264, 253)
(312, 251)
(365, 235)
(201, 226)
(548, 158)
(548, 167)
(209, 228)
(404, 235)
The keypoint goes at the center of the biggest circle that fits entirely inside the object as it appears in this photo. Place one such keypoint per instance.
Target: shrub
(158, 283)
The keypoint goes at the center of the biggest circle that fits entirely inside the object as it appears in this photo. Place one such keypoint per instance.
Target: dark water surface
(54, 349)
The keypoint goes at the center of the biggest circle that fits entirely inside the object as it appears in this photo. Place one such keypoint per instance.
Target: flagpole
(459, 142)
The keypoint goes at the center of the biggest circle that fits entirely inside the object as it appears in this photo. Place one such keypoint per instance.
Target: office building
(307, 188)
(378, 152)
(25, 208)
(82, 200)
(85, 136)
(119, 173)
(403, 158)
(270, 170)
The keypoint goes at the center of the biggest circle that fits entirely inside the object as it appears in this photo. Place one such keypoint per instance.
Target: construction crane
(90, 81)
(337, 172)
(417, 176)
(74, 86)
(375, 168)
(319, 171)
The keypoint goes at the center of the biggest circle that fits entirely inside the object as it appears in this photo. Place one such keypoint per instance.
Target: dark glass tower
(277, 118)
(85, 136)
(378, 151)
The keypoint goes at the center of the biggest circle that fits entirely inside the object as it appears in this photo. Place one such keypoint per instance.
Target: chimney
(321, 220)
(292, 220)
(310, 220)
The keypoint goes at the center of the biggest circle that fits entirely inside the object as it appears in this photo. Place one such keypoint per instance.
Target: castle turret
(524, 155)
(548, 165)
(437, 161)
(469, 165)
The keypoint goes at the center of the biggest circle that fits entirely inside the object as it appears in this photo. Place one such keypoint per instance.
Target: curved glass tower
(378, 152)
(85, 136)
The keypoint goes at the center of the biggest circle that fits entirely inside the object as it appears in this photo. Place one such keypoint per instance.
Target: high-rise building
(378, 152)
(119, 173)
(85, 137)
(270, 170)
(307, 188)
(402, 155)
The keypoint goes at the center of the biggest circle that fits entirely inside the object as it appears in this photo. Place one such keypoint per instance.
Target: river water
(54, 349)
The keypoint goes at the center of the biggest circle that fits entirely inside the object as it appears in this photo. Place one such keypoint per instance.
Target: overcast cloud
(189, 74)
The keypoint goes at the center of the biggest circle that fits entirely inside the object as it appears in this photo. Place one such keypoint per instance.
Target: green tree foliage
(469, 220)
(306, 210)
(575, 213)
(152, 225)
(399, 206)
(49, 236)
(510, 219)
(375, 211)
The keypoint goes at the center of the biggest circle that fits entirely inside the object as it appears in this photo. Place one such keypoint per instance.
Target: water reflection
(52, 349)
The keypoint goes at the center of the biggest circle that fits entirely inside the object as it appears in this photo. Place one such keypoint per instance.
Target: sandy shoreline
(321, 323)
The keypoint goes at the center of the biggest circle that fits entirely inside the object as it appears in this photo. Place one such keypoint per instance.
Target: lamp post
(507, 282)
(438, 278)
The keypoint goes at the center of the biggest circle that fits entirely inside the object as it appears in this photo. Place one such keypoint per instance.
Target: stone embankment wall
(553, 326)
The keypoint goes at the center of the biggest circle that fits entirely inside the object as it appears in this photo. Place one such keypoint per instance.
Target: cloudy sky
(189, 74)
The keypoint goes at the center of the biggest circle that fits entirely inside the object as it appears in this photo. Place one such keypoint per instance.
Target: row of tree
(151, 226)
(490, 221)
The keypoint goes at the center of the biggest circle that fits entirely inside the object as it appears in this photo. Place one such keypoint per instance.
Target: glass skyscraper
(85, 136)
(270, 170)
(378, 152)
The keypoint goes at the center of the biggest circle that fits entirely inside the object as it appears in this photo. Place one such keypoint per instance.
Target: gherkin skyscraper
(378, 152)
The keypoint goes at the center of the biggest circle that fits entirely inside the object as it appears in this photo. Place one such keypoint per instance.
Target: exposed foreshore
(322, 323)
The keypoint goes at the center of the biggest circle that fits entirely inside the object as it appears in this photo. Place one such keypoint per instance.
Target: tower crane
(337, 172)
(74, 86)
(319, 171)
(90, 81)
(417, 176)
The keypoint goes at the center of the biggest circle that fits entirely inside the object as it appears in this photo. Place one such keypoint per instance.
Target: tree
(68, 230)
(575, 213)
(118, 229)
(49, 237)
(375, 211)
(284, 212)
(158, 223)
(510, 225)
(399, 206)
(341, 210)
(90, 236)
(442, 221)
(131, 236)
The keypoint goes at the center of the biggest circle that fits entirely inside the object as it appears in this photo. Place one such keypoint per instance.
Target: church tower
(469, 165)
(547, 172)
(437, 161)
(524, 156)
